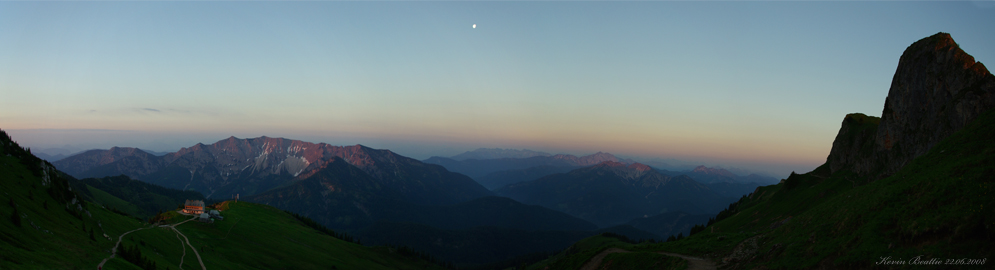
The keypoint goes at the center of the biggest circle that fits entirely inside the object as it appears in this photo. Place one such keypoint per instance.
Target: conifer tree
(16, 218)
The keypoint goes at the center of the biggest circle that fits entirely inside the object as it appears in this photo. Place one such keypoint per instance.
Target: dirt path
(114, 249)
(178, 234)
(184, 251)
(188, 243)
(596, 261)
(694, 263)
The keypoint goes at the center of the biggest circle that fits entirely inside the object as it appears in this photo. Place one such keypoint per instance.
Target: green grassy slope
(579, 253)
(254, 236)
(142, 199)
(937, 207)
(49, 237)
(110, 201)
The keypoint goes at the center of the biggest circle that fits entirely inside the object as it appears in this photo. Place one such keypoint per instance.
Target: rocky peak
(937, 89)
(854, 143)
(640, 167)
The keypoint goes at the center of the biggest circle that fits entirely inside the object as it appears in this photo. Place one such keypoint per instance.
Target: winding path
(178, 234)
(114, 249)
(596, 260)
(184, 251)
(694, 263)
(188, 244)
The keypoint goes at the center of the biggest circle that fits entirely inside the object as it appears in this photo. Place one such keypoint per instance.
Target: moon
(474, 26)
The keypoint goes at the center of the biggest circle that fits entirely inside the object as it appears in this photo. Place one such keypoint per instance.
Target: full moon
(474, 26)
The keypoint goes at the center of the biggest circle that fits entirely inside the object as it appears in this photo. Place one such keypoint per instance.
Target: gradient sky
(756, 85)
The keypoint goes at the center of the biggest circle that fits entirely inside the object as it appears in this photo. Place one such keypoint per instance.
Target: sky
(761, 86)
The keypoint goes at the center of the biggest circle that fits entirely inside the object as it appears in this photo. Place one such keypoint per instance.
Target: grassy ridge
(110, 201)
(146, 199)
(579, 253)
(263, 237)
(254, 236)
(49, 237)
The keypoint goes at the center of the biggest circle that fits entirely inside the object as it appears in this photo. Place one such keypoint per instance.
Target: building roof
(194, 203)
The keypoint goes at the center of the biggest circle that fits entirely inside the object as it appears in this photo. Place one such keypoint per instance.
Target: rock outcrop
(937, 90)
(854, 143)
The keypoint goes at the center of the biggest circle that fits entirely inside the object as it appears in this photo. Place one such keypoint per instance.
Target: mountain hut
(195, 207)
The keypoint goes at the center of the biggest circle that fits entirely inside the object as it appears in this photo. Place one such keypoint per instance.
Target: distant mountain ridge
(111, 162)
(250, 166)
(712, 171)
(499, 179)
(496, 153)
(612, 193)
(476, 168)
(709, 175)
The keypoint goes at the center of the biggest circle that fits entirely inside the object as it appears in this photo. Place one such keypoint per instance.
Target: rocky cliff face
(854, 143)
(937, 90)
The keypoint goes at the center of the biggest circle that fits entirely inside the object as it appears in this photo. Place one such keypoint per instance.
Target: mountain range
(496, 168)
(475, 168)
(250, 166)
(496, 153)
(612, 193)
(708, 175)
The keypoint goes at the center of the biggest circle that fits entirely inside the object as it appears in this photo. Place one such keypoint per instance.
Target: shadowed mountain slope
(613, 193)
